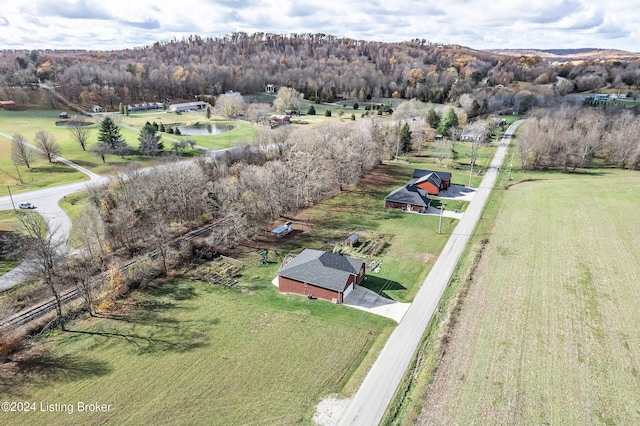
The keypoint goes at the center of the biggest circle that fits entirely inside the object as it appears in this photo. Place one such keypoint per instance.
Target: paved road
(46, 201)
(370, 402)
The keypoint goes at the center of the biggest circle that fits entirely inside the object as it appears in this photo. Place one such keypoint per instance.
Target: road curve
(47, 203)
(368, 405)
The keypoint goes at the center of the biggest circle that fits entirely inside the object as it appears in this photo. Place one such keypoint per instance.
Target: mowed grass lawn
(549, 332)
(8, 223)
(192, 353)
(43, 174)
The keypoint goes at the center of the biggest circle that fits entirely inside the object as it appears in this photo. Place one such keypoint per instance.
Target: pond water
(205, 129)
(71, 123)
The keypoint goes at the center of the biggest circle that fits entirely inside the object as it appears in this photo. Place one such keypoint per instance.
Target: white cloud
(93, 24)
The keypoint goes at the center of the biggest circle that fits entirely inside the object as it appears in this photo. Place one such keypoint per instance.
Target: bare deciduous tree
(287, 98)
(101, 149)
(20, 151)
(230, 106)
(47, 144)
(80, 133)
(44, 255)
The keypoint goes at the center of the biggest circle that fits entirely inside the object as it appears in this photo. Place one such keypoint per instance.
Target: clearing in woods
(549, 332)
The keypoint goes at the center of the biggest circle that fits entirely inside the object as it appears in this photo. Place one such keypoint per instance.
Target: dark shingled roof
(430, 177)
(417, 173)
(409, 194)
(322, 269)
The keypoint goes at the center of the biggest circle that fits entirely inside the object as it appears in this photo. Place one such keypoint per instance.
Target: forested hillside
(320, 66)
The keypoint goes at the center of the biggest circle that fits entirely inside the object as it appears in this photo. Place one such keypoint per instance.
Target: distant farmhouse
(271, 88)
(188, 106)
(7, 104)
(321, 274)
(145, 106)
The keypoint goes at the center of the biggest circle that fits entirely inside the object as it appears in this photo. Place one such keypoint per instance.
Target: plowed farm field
(550, 329)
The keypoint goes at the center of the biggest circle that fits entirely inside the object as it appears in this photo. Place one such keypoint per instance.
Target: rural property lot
(549, 330)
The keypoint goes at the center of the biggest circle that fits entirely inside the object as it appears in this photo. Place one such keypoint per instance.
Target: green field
(191, 353)
(43, 174)
(548, 333)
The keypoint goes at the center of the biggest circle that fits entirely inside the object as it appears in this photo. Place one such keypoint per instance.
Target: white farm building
(188, 106)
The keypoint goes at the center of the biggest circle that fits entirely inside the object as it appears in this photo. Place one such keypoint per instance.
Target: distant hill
(570, 54)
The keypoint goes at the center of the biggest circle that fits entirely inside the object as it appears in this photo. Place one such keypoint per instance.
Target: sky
(486, 24)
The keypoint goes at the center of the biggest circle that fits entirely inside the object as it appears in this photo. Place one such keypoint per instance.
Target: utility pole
(18, 171)
(510, 166)
(441, 211)
(11, 196)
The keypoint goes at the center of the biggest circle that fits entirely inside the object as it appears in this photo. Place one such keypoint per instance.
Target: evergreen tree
(433, 118)
(150, 142)
(353, 117)
(109, 132)
(449, 120)
(355, 105)
(311, 111)
(405, 139)
(327, 113)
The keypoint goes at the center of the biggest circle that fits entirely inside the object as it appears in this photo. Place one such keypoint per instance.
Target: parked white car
(26, 205)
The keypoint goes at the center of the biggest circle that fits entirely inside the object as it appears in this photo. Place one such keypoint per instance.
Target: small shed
(351, 241)
(283, 230)
(7, 104)
(64, 115)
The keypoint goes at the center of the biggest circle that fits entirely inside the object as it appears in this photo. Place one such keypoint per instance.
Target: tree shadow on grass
(176, 291)
(156, 341)
(41, 369)
(381, 285)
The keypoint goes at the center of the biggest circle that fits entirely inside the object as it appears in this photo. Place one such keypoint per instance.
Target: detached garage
(321, 274)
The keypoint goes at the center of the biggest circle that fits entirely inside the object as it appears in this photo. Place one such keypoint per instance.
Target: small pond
(205, 129)
(73, 123)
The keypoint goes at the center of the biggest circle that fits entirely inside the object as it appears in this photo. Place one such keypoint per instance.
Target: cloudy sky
(115, 24)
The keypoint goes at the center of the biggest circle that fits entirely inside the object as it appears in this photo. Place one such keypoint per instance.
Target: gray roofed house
(325, 275)
(409, 198)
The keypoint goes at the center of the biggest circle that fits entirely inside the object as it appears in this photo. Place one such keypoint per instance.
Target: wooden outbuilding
(7, 104)
(351, 241)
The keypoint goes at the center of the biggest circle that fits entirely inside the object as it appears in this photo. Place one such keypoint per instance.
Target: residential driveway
(370, 301)
(458, 192)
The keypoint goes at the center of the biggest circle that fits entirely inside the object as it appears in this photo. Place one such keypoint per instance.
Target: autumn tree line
(569, 137)
(321, 67)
